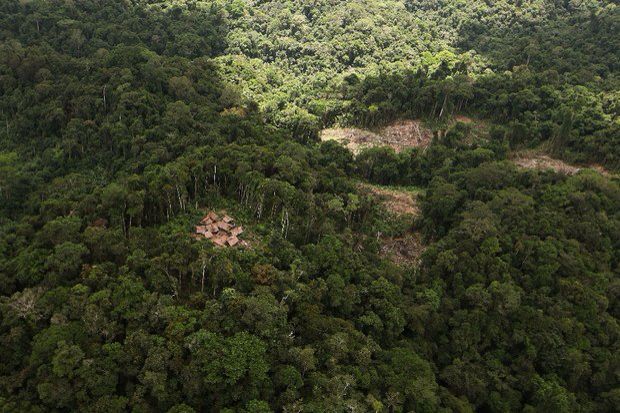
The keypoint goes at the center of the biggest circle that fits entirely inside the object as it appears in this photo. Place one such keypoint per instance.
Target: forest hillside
(316, 206)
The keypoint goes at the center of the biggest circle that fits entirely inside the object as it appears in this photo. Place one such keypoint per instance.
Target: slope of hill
(122, 122)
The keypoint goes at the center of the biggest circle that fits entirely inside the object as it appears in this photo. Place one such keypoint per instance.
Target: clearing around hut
(398, 135)
(220, 229)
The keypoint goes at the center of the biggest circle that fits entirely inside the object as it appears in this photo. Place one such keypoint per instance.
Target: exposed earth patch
(405, 248)
(396, 200)
(541, 161)
(398, 135)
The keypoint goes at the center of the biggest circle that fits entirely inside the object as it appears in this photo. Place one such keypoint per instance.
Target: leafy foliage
(124, 120)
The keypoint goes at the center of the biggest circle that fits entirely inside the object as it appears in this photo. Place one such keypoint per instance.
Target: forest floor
(398, 135)
(536, 159)
(407, 247)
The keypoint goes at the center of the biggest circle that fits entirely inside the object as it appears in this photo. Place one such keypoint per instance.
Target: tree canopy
(122, 122)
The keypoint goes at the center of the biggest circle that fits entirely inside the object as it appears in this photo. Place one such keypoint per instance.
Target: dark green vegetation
(120, 119)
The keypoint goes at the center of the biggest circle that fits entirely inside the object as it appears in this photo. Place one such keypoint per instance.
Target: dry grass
(398, 135)
(536, 159)
(543, 162)
(405, 250)
(396, 201)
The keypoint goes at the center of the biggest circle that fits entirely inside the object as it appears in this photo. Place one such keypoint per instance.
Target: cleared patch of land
(479, 129)
(542, 161)
(405, 248)
(399, 201)
(353, 139)
(407, 134)
(398, 135)
(219, 229)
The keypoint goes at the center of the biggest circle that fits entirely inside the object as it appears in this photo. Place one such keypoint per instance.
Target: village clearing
(220, 229)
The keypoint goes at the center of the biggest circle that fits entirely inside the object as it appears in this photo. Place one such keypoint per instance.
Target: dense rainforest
(123, 122)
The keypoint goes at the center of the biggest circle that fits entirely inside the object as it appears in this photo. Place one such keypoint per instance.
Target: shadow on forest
(110, 79)
(533, 66)
(106, 90)
(566, 39)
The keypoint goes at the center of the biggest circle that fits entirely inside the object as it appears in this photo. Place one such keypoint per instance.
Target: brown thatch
(220, 241)
(100, 223)
(232, 241)
(221, 231)
(224, 226)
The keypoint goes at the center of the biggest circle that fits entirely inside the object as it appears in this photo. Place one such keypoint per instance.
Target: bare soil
(398, 135)
(397, 201)
(405, 250)
(544, 162)
(536, 159)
